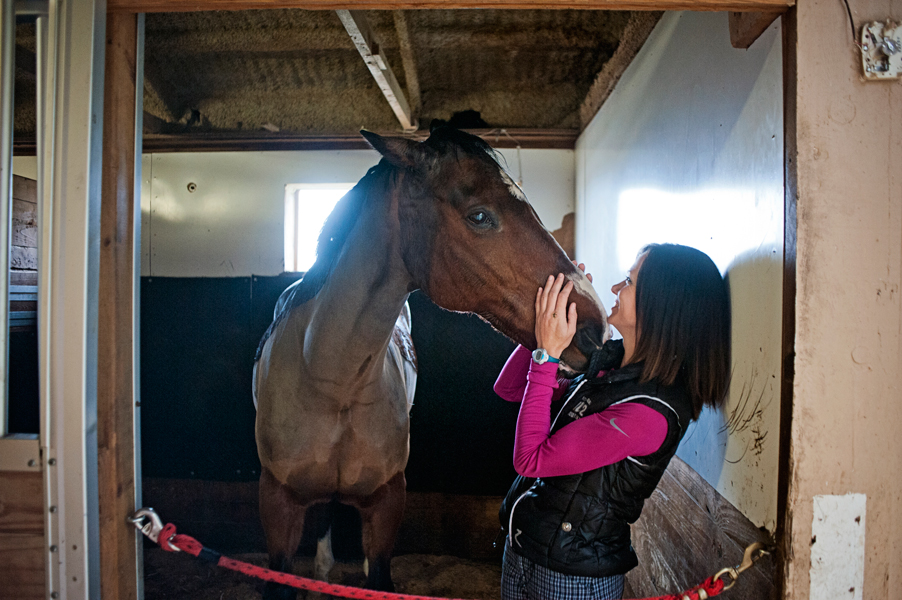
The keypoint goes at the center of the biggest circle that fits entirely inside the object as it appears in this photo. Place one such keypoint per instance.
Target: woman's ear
(401, 152)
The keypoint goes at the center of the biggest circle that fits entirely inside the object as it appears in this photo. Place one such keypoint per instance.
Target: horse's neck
(356, 309)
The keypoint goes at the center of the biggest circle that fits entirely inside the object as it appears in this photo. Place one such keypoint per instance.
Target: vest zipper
(510, 523)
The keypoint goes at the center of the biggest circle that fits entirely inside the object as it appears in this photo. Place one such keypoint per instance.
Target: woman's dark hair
(683, 322)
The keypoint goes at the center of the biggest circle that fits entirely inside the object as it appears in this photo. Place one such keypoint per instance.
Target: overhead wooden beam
(225, 141)
(151, 6)
(358, 27)
(408, 61)
(746, 27)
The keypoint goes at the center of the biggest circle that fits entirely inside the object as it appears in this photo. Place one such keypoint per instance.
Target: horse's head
(472, 242)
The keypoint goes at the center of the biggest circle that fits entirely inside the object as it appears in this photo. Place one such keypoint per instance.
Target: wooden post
(116, 334)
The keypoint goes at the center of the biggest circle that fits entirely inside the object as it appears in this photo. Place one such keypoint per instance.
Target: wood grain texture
(789, 29)
(746, 27)
(254, 142)
(21, 567)
(21, 535)
(688, 532)
(115, 392)
(21, 503)
(150, 6)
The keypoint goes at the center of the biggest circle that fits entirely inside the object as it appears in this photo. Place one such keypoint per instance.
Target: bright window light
(306, 207)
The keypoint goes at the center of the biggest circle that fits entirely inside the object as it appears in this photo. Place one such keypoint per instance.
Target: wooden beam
(115, 343)
(786, 465)
(408, 60)
(242, 141)
(746, 27)
(368, 46)
(152, 6)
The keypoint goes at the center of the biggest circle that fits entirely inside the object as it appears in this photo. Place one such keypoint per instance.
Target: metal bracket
(881, 50)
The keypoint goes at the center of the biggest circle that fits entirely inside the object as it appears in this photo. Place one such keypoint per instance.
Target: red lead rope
(171, 541)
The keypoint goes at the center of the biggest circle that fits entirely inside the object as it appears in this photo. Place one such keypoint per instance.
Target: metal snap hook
(153, 525)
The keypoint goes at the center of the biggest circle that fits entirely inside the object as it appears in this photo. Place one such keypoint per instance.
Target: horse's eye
(480, 218)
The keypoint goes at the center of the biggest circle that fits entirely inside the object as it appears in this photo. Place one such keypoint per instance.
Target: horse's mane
(444, 137)
(341, 221)
(331, 240)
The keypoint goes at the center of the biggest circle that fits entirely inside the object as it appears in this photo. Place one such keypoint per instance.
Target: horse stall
(133, 382)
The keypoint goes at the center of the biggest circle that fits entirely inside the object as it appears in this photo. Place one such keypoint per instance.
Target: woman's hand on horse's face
(555, 321)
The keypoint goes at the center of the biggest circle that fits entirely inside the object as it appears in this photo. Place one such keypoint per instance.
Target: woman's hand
(582, 267)
(555, 322)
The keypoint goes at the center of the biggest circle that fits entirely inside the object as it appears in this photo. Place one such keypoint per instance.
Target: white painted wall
(232, 224)
(688, 149)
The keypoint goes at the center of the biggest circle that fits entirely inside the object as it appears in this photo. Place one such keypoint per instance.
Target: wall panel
(232, 224)
(688, 149)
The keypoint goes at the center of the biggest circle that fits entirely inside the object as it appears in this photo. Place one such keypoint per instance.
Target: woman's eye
(628, 280)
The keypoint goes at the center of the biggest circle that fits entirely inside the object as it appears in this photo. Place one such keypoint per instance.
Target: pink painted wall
(846, 490)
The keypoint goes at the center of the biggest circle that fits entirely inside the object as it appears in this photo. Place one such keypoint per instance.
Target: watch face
(540, 355)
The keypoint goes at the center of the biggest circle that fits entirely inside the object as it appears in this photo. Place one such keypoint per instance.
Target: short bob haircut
(683, 322)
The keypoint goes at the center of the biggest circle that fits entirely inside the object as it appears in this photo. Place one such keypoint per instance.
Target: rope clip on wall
(752, 555)
(148, 522)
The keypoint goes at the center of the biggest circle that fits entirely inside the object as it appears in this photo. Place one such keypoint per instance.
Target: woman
(585, 475)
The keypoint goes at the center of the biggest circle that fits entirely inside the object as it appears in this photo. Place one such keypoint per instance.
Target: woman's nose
(617, 287)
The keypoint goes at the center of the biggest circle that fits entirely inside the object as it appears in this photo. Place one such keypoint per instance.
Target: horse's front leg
(282, 514)
(381, 517)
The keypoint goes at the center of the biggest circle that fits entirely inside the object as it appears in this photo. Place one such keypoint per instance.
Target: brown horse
(332, 397)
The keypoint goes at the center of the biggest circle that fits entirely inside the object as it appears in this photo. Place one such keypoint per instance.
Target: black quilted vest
(579, 524)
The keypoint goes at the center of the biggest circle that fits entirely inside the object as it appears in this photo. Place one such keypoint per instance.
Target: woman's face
(623, 313)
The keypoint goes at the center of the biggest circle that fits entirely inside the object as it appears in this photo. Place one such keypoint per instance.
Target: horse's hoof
(276, 591)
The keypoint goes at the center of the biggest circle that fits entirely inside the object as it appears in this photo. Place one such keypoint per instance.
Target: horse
(334, 372)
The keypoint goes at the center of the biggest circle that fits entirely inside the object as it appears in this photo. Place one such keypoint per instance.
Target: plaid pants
(522, 579)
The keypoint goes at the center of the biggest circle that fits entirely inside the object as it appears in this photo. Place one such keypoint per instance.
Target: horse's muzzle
(590, 336)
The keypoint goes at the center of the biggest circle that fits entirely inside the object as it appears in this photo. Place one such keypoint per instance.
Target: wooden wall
(687, 533)
(21, 535)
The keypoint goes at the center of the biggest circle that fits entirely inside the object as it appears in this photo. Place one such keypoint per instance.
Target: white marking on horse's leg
(516, 192)
(366, 567)
(324, 560)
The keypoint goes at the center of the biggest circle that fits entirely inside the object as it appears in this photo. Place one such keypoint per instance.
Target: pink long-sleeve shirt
(588, 443)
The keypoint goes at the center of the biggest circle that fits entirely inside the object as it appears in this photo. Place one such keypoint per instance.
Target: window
(306, 207)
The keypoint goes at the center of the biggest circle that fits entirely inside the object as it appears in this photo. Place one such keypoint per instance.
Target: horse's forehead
(515, 190)
(470, 173)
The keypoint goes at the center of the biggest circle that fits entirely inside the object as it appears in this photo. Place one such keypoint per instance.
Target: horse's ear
(401, 152)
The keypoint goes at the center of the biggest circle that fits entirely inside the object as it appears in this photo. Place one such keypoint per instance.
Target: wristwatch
(540, 355)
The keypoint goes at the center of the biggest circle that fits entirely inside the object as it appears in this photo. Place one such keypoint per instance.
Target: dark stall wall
(198, 339)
